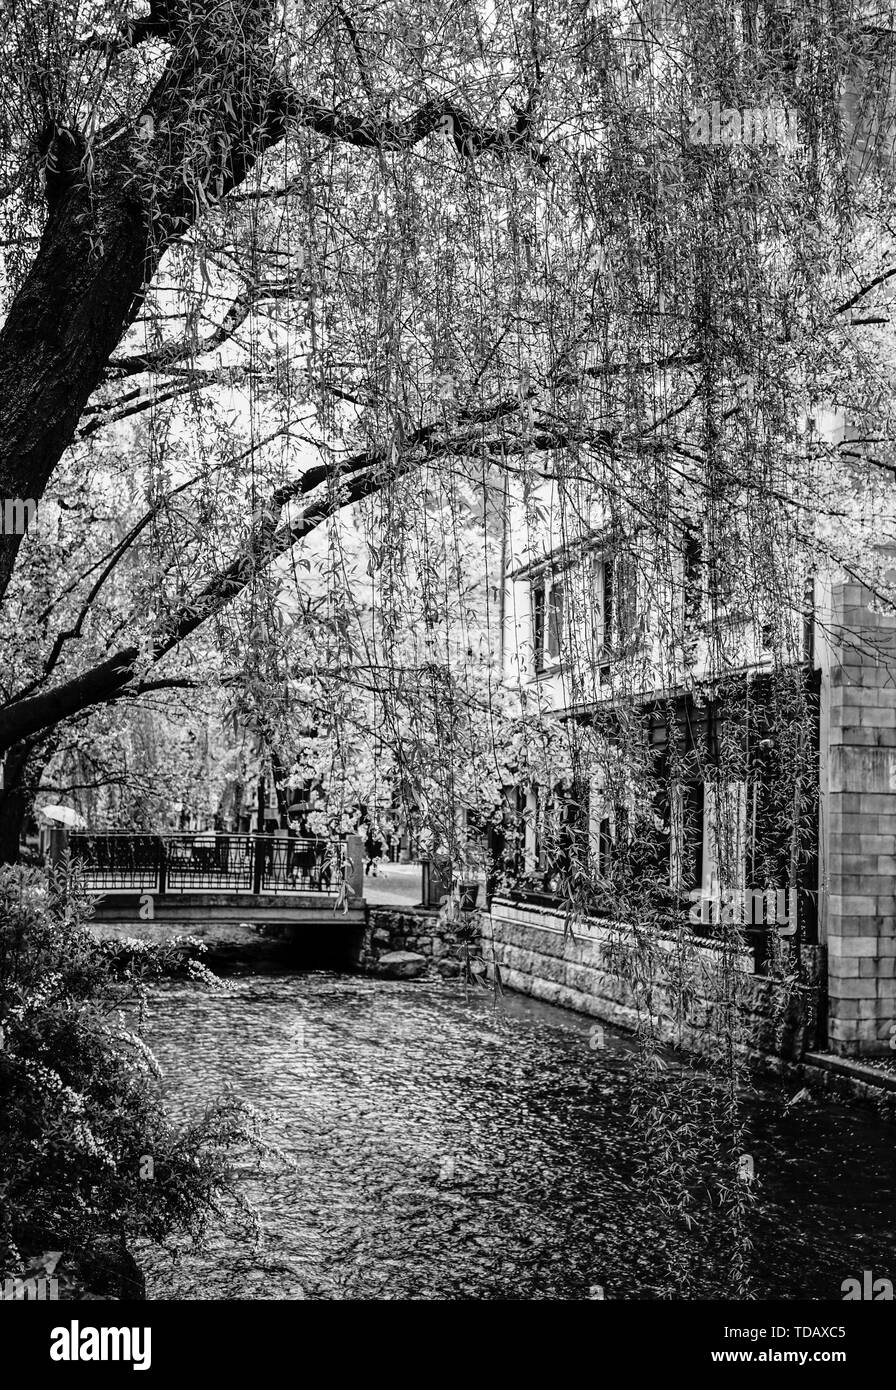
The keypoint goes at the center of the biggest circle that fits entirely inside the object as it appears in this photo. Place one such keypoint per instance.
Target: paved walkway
(394, 885)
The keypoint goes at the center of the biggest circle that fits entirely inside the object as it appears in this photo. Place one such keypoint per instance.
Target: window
(686, 809)
(678, 855)
(571, 806)
(608, 824)
(547, 621)
(626, 598)
(600, 585)
(720, 580)
(710, 582)
(808, 616)
(531, 836)
(724, 837)
(538, 597)
(604, 846)
(612, 839)
(615, 605)
(508, 836)
(693, 581)
(555, 620)
(603, 605)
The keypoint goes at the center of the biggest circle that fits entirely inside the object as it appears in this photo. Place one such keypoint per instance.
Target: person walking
(373, 849)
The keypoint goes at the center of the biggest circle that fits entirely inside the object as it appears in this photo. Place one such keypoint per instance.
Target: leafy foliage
(87, 1151)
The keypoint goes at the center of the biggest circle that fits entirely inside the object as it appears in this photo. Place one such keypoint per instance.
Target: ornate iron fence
(208, 863)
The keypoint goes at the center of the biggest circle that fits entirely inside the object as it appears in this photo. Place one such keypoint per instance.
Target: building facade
(717, 769)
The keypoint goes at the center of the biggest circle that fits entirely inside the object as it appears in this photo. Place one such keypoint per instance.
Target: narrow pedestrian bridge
(185, 881)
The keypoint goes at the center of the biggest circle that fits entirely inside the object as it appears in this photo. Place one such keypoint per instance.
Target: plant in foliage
(89, 1158)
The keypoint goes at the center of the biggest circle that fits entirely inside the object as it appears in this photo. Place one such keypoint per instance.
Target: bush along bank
(90, 1162)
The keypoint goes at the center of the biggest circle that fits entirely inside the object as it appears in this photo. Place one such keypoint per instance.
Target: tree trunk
(21, 776)
(202, 129)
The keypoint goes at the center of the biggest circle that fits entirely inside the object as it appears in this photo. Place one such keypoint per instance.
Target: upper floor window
(709, 578)
(615, 605)
(586, 608)
(720, 579)
(547, 620)
(693, 580)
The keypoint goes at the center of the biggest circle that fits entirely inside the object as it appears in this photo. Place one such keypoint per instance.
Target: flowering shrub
(88, 1156)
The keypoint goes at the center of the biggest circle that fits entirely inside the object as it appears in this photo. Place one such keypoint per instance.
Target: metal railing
(208, 863)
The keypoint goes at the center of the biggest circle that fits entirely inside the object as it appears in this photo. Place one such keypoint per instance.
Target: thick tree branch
(188, 348)
(135, 402)
(361, 476)
(107, 566)
(865, 289)
(128, 36)
(378, 132)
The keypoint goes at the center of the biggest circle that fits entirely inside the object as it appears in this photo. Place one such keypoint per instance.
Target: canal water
(450, 1146)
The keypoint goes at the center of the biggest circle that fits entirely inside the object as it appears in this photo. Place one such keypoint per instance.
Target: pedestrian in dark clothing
(373, 849)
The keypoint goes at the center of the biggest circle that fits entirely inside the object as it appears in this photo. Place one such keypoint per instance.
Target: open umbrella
(65, 815)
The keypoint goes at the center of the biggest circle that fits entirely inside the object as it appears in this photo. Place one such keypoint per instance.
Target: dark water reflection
(446, 1149)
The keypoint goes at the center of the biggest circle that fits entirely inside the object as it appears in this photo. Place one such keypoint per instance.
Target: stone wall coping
(847, 1066)
(596, 928)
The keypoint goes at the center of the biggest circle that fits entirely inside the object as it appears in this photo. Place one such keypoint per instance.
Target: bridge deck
(242, 930)
(185, 911)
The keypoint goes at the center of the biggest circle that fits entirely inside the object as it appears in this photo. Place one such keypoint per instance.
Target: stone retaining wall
(537, 957)
(844, 1078)
(415, 930)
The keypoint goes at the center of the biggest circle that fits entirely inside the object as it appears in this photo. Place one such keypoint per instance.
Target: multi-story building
(740, 764)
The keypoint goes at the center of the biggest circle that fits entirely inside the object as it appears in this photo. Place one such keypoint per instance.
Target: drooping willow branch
(362, 476)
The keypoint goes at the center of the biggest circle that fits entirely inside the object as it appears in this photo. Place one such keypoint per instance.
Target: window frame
(608, 575)
(548, 618)
(705, 599)
(615, 620)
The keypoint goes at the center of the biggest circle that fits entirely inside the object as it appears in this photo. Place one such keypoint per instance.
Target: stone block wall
(409, 929)
(536, 957)
(859, 824)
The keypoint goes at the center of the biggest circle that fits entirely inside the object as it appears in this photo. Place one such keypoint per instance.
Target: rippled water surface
(449, 1148)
